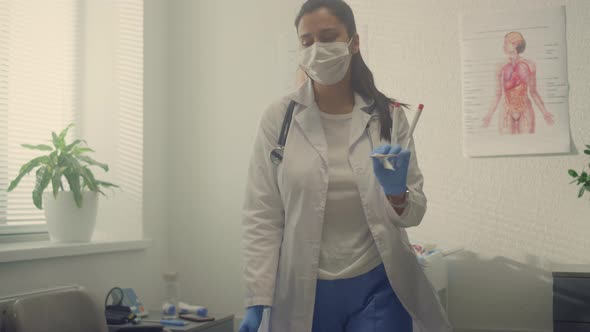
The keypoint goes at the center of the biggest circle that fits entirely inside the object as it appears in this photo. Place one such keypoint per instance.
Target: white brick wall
(515, 216)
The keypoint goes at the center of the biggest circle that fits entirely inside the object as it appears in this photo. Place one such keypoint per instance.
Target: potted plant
(70, 211)
(582, 179)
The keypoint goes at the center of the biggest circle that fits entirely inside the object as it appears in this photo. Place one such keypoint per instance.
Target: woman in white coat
(324, 237)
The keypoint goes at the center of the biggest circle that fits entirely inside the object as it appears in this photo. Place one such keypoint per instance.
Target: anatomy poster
(515, 89)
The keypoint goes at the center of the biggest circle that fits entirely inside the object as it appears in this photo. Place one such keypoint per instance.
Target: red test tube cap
(420, 107)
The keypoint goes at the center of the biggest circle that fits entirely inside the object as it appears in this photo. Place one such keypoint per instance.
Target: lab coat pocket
(400, 235)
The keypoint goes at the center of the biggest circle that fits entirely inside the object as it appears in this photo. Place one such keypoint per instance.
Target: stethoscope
(277, 154)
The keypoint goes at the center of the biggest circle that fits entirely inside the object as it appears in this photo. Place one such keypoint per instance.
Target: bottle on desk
(170, 306)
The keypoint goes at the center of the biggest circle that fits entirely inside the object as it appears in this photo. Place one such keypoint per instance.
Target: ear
(355, 44)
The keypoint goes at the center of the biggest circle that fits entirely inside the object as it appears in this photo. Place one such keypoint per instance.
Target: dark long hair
(362, 77)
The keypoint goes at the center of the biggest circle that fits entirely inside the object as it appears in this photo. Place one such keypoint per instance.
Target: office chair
(62, 309)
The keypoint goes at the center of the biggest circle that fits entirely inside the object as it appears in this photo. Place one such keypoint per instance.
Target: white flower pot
(67, 222)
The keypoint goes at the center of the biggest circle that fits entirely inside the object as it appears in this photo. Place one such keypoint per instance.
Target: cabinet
(571, 301)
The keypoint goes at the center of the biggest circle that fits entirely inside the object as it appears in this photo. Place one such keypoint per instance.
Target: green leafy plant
(582, 179)
(64, 160)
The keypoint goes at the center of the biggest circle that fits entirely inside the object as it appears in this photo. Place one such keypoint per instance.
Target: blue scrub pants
(366, 303)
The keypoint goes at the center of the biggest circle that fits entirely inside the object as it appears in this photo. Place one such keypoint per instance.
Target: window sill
(27, 251)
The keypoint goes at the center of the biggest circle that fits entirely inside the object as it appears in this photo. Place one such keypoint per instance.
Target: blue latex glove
(252, 319)
(393, 182)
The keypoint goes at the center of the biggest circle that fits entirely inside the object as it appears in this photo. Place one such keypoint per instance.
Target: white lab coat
(284, 210)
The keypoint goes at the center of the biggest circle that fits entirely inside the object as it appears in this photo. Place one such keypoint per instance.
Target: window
(47, 56)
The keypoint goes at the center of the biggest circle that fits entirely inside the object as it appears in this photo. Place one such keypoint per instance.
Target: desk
(222, 323)
(436, 270)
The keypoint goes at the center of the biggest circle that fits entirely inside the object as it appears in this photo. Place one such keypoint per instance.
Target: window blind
(38, 79)
(129, 71)
(41, 71)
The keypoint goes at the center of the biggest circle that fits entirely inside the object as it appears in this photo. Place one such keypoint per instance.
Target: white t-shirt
(347, 249)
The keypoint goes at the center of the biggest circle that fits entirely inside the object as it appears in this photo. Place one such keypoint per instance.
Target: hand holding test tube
(384, 157)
